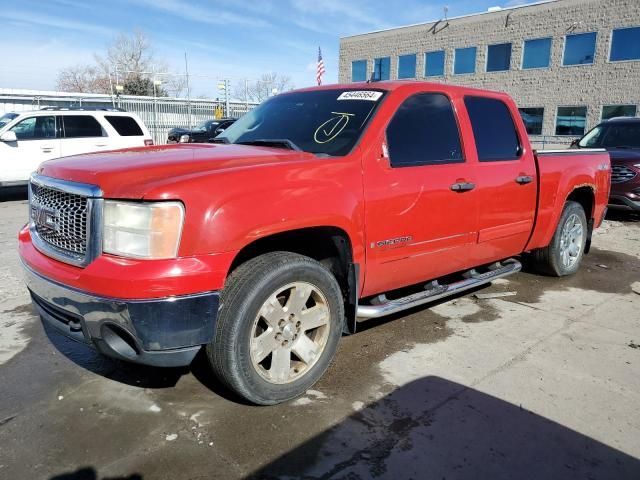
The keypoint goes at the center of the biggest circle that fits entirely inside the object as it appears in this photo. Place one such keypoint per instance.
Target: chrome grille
(60, 218)
(65, 219)
(620, 173)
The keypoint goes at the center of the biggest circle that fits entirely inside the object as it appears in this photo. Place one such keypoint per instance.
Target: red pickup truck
(320, 208)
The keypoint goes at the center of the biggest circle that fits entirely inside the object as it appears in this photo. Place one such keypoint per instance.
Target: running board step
(382, 306)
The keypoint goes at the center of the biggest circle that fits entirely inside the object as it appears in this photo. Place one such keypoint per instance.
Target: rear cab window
(493, 128)
(125, 126)
(82, 126)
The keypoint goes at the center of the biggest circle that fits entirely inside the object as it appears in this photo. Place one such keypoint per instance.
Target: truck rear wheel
(278, 327)
(564, 254)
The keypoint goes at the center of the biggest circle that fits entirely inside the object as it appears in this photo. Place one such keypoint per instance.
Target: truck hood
(622, 156)
(131, 173)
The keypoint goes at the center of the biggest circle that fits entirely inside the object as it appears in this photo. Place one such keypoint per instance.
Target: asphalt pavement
(543, 383)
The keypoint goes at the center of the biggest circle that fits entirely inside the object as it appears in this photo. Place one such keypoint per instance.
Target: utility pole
(186, 71)
(227, 111)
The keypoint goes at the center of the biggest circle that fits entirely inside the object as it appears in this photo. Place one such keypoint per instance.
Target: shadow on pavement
(623, 216)
(88, 473)
(435, 428)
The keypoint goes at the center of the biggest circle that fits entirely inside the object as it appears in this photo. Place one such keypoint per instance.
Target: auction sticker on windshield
(360, 95)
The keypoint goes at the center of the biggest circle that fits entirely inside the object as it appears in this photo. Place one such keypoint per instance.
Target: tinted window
(78, 126)
(35, 128)
(382, 68)
(424, 131)
(532, 118)
(324, 122)
(125, 126)
(536, 53)
(611, 135)
(434, 64)
(571, 121)
(493, 129)
(465, 60)
(358, 71)
(611, 111)
(407, 66)
(625, 44)
(498, 57)
(579, 49)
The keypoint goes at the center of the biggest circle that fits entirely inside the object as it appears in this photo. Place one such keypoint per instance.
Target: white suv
(29, 138)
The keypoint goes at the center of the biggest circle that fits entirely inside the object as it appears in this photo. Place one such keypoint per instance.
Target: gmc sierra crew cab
(319, 209)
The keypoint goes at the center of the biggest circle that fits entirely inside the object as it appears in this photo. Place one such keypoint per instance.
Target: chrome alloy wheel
(290, 332)
(571, 241)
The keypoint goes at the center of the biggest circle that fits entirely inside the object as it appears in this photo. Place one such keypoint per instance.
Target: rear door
(38, 140)
(83, 134)
(506, 178)
(419, 224)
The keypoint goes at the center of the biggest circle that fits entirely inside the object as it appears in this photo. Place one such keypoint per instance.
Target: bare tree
(264, 87)
(82, 79)
(129, 60)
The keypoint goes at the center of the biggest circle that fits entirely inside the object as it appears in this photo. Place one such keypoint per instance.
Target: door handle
(46, 149)
(463, 187)
(524, 179)
(101, 144)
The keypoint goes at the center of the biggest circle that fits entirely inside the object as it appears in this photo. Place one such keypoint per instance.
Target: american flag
(320, 69)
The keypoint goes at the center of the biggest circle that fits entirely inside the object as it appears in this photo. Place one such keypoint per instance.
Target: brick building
(567, 63)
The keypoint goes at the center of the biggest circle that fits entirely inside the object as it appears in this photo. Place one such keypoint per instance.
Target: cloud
(54, 22)
(213, 15)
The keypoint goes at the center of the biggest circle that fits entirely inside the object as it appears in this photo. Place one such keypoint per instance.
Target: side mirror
(574, 143)
(219, 131)
(8, 137)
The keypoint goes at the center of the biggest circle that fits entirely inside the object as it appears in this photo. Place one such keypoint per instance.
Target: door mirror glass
(574, 143)
(8, 137)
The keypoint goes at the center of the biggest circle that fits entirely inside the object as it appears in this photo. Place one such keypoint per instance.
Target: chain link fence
(159, 114)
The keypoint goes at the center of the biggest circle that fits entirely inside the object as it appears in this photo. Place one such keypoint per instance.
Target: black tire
(548, 260)
(246, 291)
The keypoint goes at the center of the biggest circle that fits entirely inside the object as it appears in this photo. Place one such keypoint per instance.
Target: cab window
(36, 128)
(424, 131)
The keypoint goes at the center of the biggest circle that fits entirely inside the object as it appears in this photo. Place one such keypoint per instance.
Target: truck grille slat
(620, 174)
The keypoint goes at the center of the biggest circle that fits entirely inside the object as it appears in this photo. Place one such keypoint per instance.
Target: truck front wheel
(564, 254)
(278, 327)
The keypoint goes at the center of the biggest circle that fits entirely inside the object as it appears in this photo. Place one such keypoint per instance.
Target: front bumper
(165, 332)
(623, 202)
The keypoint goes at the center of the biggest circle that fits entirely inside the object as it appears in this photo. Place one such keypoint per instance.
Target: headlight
(184, 138)
(142, 230)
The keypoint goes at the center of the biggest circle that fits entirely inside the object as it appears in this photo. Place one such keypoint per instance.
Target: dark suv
(621, 137)
(200, 134)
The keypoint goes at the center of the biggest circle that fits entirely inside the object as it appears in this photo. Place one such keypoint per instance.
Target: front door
(37, 141)
(420, 201)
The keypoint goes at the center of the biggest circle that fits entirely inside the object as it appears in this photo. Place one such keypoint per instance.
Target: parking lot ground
(541, 384)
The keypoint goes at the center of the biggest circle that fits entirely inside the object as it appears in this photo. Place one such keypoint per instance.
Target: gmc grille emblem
(44, 216)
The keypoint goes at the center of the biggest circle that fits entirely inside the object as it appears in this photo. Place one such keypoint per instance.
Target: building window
(579, 49)
(536, 53)
(611, 111)
(382, 68)
(625, 44)
(424, 131)
(532, 118)
(571, 121)
(493, 129)
(358, 70)
(407, 66)
(465, 60)
(498, 57)
(434, 64)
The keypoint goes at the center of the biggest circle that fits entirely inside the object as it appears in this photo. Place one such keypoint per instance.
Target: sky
(223, 39)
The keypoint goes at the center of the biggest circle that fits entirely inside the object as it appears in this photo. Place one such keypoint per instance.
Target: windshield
(6, 118)
(327, 122)
(620, 135)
